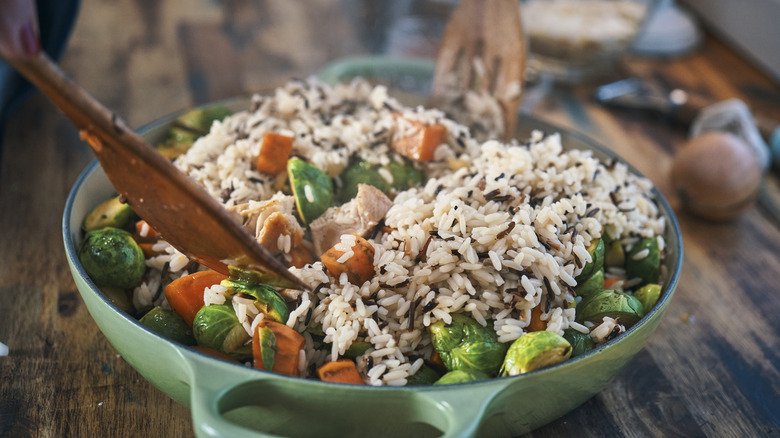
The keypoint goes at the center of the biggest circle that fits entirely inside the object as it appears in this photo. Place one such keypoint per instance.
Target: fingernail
(28, 38)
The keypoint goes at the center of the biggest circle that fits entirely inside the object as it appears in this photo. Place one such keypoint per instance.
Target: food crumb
(3, 349)
(100, 404)
(687, 318)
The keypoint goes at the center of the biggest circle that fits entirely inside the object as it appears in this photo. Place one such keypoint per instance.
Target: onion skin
(716, 176)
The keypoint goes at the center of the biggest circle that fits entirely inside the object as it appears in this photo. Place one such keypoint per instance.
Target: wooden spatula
(171, 202)
(483, 48)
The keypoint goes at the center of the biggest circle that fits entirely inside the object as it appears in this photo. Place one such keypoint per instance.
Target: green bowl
(231, 400)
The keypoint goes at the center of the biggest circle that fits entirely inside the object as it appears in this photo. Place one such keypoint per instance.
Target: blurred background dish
(576, 40)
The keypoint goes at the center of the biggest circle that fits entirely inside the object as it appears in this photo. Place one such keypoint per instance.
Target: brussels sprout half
(112, 258)
(267, 300)
(311, 187)
(581, 343)
(611, 303)
(535, 350)
(361, 172)
(217, 327)
(648, 295)
(111, 213)
(168, 324)
(461, 376)
(596, 251)
(593, 285)
(466, 345)
(404, 176)
(426, 375)
(644, 261)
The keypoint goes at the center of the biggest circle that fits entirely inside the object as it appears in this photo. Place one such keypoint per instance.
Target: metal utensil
(171, 202)
(483, 48)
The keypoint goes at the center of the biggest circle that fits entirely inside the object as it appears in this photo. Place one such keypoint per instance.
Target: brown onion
(716, 175)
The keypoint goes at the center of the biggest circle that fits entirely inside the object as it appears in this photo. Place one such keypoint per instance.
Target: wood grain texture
(709, 370)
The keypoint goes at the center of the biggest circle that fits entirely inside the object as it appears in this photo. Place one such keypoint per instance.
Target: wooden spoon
(171, 202)
(483, 48)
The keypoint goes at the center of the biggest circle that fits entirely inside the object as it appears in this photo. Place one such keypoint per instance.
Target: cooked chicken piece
(359, 215)
(269, 220)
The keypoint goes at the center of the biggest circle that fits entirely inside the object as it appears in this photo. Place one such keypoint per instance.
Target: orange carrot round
(359, 267)
(185, 294)
(285, 348)
(340, 371)
(274, 153)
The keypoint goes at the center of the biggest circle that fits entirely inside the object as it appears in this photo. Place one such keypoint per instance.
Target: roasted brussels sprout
(358, 348)
(120, 296)
(614, 255)
(648, 295)
(187, 128)
(361, 172)
(266, 299)
(112, 258)
(535, 350)
(596, 251)
(426, 375)
(644, 261)
(169, 324)
(201, 119)
(581, 343)
(252, 276)
(593, 285)
(311, 187)
(111, 213)
(612, 303)
(217, 327)
(405, 176)
(461, 376)
(466, 345)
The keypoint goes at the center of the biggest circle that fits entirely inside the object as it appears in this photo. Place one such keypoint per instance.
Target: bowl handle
(465, 406)
(206, 398)
(453, 411)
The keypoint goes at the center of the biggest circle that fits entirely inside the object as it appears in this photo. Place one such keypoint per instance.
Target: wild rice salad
(496, 232)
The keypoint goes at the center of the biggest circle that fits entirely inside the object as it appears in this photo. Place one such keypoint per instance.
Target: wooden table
(711, 369)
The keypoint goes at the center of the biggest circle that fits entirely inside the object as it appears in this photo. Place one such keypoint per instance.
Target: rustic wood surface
(711, 369)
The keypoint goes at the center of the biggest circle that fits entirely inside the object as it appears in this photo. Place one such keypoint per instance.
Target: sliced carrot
(148, 249)
(274, 153)
(536, 324)
(185, 294)
(150, 232)
(359, 267)
(147, 240)
(213, 352)
(340, 371)
(609, 282)
(421, 142)
(286, 348)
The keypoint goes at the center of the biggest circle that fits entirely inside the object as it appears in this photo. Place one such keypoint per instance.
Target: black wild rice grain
(506, 232)
(423, 255)
(395, 286)
(492, 194)
(319, 286)
(163, 275)
(308, 316)
(410, 315)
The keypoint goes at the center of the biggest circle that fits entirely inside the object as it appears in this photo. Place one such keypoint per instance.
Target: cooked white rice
(496, 222)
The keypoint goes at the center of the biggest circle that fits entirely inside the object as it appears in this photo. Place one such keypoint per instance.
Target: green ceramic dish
(236, 401)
